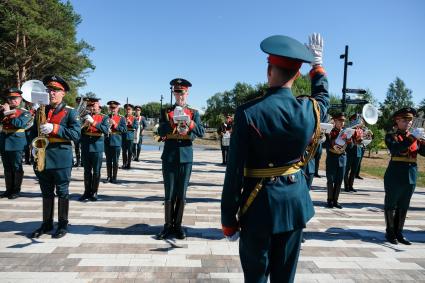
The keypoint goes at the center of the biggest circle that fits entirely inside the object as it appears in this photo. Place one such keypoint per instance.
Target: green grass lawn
(380, 171)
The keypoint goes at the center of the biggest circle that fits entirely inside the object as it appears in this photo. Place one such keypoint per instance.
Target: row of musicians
(100, 133)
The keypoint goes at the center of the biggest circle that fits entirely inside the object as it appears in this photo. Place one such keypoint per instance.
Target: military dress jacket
(272, 131)
(132, 123)
(66, 128)
(92, 138)
(115, 136)
(404, 149)
(12, 136)
(339, 159)
(178, 148)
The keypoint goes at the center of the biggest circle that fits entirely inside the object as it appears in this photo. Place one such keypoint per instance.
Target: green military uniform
(177, 159)
(400, 177)
(137, 147)
(336, 160)
(354, 155)
(128, 138)
(113, 144)
(269, 138)
(55, 178)
(12, 143)
(92, 147)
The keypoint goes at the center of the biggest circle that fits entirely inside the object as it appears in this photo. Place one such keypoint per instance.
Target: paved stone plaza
(112, 239)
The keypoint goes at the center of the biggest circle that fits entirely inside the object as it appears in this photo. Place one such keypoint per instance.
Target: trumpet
(181, 119)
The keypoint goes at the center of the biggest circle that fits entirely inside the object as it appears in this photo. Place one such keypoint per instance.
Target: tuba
(370, 116)
(34, 91)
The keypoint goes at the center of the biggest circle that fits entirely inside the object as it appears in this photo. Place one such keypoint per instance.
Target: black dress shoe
(5, 195)
(391, 238)
(165, 232)
(330, 204)
(402, 239)
(93, 198)
(337, 205)
(180, 233)
(13, 196)
(317, 176)
(353, 190)
(44, 229)
(83, 198)
(358, 177)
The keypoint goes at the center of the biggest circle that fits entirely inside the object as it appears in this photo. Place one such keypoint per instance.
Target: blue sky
(142, 45)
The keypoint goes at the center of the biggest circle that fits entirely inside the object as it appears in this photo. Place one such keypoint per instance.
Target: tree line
(38, 38)
(397, 96)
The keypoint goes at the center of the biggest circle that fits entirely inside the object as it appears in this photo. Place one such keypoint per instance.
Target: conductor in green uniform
(180, 125)
(264, 184)
(400, 176)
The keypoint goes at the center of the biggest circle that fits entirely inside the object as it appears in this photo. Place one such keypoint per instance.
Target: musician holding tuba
(138, 135)
(335, 160)
(96, 125)
(401, 173)
(13, 141)
(60, 125)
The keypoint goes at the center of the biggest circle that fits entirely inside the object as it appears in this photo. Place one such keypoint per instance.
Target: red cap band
(14, 94)
(180, 87)
(56, 85)
(284, 62)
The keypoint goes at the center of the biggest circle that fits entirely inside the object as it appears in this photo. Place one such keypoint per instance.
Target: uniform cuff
(55, 129)
(318, 69)
(229, 231)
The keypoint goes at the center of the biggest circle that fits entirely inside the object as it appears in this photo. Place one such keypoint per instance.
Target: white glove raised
(418, 133)
(233, 238)
(315, 45)
(34, 151)
(88, 118)
(46, 128)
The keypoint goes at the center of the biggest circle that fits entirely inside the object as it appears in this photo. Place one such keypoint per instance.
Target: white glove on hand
(46, 128)
(418, 133)
(88, 118)
(315, 45)
(233, 238)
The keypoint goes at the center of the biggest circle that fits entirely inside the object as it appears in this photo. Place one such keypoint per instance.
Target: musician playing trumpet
(113, 141)
(401, 173)
(62, 125)
(128, 137)
(354, 152)
(335, 160)
(13, 141)
(96, 125)
(180, 125)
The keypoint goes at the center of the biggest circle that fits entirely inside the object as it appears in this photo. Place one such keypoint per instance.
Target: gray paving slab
(112, 240)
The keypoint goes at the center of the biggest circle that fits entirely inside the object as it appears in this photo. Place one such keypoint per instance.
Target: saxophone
(41, 142)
